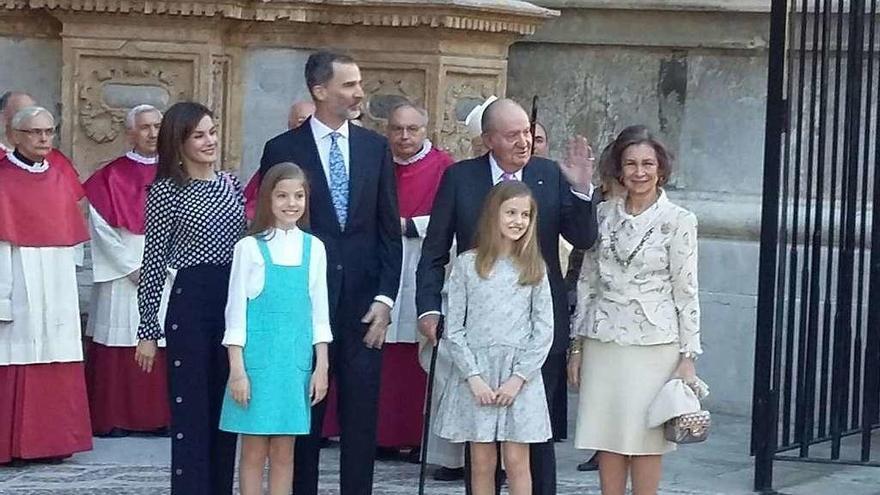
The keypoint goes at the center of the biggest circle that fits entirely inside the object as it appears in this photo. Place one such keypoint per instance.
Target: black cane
(428, 399)
(533, 121)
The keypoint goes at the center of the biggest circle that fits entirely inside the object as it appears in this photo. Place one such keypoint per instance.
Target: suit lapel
(357, 169)
(310, 161)
(533, 177)
(484, 181)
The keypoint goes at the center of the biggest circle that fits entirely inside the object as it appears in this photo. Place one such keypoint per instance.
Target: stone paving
(721, 466)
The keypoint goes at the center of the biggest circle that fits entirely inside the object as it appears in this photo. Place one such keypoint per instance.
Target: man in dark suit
(564, 207)
(353, 210)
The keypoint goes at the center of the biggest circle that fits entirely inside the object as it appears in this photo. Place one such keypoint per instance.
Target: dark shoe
(15, 463)
(414, 456)
(114, 433)
(49, 460)
(449, 474)
(160, 432)
(590, 465)
(387, 454)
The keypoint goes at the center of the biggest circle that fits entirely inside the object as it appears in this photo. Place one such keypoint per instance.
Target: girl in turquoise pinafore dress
(277, 326)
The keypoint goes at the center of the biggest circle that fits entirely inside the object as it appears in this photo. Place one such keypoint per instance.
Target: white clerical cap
(474, 120)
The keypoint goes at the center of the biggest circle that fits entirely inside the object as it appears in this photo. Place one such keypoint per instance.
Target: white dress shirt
(248, 276)
(321, 133)
(498, 173)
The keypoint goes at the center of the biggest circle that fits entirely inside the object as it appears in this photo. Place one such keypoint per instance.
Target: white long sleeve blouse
(638, 283)
(248, 277)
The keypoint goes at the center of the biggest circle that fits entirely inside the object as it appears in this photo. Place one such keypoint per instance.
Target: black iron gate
(817, 355)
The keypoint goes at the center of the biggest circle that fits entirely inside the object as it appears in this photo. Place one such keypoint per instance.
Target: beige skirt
(618, 383)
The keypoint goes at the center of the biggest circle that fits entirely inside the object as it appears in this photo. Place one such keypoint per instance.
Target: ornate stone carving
(463, 93)
(107, 86)
(103, 122)
(385, 87)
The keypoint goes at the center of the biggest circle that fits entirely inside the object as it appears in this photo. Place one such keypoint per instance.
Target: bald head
(501, 109)
(407, 130)
(10, 104)
(507, 133)
(299, 112)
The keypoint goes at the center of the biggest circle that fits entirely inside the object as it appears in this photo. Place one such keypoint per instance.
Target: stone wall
(271, 75)
(695, 72)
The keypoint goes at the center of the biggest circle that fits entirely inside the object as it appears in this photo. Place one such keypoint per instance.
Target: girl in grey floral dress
(499, 332)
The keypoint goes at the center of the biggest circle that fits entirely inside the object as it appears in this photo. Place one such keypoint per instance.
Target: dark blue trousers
(357, 370)
(202, 456)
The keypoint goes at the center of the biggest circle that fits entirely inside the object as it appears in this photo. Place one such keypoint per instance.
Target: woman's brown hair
(526, 254)
(636, 134)
(178, 124)
(264, 219)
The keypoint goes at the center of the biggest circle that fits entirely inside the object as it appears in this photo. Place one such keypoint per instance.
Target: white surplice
(39, 305)
(113, 312)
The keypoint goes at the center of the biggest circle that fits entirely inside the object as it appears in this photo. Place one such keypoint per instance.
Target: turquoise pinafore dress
(277, 353)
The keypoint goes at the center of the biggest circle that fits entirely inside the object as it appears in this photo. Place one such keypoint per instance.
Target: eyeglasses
(412, 129)
(38, 132)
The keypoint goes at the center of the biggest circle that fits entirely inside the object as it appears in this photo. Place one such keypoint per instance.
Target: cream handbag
(677, 408)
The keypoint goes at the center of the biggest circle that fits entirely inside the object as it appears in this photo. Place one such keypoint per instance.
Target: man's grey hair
(407, 104)
(132, 114)
(28, 113)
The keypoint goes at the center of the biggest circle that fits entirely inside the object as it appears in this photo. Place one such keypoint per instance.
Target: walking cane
(533, 121)
(428, 399)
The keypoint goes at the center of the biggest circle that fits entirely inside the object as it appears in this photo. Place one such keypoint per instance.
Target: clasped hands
(503, 397)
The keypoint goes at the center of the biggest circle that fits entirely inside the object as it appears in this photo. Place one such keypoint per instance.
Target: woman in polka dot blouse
(194, 218)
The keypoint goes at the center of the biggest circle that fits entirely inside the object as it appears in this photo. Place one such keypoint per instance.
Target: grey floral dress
(495, 328)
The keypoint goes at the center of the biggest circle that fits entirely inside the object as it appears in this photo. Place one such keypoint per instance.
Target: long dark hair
(264, 220)
(177, 125)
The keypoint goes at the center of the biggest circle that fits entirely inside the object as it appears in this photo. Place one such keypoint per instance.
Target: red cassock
(43, 407)
(403, 382)
(121, 395)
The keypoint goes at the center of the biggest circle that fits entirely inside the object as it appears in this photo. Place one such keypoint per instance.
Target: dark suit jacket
(456, 212)
(364, 260)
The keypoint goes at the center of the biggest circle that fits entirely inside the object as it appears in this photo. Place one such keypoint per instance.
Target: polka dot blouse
(195, 224)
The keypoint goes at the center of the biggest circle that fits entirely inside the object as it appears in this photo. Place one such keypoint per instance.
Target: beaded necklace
(626, 262)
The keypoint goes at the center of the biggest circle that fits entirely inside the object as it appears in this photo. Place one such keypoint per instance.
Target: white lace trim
(426, 148)
(143, 160)
(36, 168)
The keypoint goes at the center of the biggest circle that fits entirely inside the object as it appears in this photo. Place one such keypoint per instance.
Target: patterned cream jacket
(638, 283)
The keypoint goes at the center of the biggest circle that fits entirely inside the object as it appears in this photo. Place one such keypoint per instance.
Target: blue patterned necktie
(507, 177)
(338, 180)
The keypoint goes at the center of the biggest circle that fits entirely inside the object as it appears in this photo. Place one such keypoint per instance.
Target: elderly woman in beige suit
(638, 314)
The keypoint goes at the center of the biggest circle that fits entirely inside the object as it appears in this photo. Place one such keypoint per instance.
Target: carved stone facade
(119, 53)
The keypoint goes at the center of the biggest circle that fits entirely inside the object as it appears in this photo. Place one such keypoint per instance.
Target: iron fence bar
(843, 329)
(812, 249)
(812, 460)
(820, 219)
(871, 369)
(833, 283)
(765, 406)
(866, 162)
(796, 320)
(819, 440)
